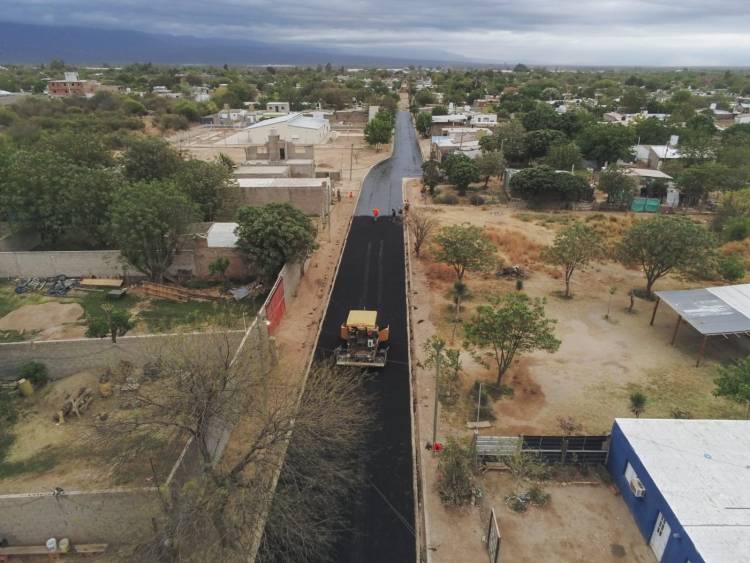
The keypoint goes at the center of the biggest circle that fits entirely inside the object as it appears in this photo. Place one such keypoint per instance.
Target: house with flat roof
(687, 485)
(312, 196)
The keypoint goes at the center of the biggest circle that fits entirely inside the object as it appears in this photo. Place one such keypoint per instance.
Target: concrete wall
(238, 268)
(311, 201)
(86, 263)
(83, 517)
(66, 357)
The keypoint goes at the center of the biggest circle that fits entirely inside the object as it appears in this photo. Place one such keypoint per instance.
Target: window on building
(630, 473)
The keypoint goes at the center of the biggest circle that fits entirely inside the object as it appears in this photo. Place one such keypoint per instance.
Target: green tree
(431, 175)
(731, 267)
(491, 163)
(378, 131)
(218, 266)
(542, 184)
(733, 383)
(633, 100)
(637, 403)
(619, 187)
(424, 123)
(573, 249)
(465, 248)
(663, 243)
(147, 219)
(115, 322)
(273, 234)
(210, 185)
(510, 325)
(439, 110)
(538, 142)
(149, 158)
(606, 142)
(564, 156)
(651, 131)
(543, 116)
(456, 482)
(461, 171)
(508, 138)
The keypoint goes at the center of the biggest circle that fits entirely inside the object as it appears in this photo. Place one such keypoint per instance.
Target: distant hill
(30, 43)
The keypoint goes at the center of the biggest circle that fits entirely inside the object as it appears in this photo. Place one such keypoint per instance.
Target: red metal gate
(275, 306)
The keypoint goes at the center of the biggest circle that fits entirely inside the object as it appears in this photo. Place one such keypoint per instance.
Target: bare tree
(421, 226)
(200, 391)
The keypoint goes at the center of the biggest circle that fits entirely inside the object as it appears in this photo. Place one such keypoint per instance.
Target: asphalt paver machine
(365, 343)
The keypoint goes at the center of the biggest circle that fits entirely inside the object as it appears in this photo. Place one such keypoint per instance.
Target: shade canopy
(713, 310)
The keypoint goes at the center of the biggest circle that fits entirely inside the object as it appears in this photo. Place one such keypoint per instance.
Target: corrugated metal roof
(712, 311)
(702, 469)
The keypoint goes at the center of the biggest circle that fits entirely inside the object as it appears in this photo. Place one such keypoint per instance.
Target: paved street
(372, 277)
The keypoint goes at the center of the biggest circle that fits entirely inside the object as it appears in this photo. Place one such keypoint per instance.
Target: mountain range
(31, 43)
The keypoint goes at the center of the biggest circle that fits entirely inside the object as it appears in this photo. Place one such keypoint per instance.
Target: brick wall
(310, 201)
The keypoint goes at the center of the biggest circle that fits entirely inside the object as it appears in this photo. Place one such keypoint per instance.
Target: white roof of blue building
(702, 469)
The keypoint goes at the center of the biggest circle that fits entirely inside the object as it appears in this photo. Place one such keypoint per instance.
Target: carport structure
(712, 311)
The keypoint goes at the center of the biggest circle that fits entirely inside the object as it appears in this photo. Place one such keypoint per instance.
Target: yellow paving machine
(364, 341)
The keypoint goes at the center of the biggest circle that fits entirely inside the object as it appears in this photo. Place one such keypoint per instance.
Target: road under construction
(372, 277)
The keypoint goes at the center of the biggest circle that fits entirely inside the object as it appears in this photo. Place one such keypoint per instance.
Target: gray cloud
(643, 32)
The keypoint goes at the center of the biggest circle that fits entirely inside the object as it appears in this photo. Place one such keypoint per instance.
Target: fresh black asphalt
(371, 276)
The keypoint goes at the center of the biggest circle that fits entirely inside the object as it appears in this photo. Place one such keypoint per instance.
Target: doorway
(660, 536)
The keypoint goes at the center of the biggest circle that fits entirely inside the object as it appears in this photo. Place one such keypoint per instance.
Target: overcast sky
(622, 32)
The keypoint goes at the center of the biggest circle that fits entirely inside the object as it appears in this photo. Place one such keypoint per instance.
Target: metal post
(351, 159)
(437, 394)
(479, 402)
(653, 315)
(676, 327)
(702, 350)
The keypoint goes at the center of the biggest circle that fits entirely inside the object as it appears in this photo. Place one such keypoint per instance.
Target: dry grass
(516, 247)
(739, 247)
(441, 272)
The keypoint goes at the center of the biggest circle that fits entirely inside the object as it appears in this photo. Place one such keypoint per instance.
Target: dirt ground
(599, 363)
(59, 455)
(50, 320)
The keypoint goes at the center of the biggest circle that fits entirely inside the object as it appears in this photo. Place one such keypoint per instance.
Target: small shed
(687, 485)
(712, 311)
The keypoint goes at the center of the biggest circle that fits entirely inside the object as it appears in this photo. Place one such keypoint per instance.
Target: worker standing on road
(375, 213)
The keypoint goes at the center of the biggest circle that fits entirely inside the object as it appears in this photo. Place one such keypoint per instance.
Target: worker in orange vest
(375, 213)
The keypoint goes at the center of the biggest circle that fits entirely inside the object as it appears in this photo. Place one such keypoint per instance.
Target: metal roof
(221, 235)
(702, 469)
(714, 310)
(281, 182)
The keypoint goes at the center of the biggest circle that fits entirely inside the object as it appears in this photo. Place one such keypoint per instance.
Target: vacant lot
(38, 454)
(606, 353)
(36, 316)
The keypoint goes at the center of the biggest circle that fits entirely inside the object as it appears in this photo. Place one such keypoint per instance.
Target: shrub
(36, 372)
(731, 267)
(447, 199)
(737, 228)
(538, 496)
(476, 199)
(456, 484)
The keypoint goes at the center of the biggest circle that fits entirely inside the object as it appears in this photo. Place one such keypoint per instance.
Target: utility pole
(351, 159)
(438, 357)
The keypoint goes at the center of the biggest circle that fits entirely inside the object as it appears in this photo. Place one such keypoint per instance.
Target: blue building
(687, 484)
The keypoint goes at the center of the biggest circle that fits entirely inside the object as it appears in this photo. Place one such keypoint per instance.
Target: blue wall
(646, 509)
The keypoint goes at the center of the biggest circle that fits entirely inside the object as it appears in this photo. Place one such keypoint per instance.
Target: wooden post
(676, 327)
(702, 350)
(653, 315)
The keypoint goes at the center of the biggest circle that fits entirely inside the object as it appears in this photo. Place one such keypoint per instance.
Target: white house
(294, 127)
(278, 107)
